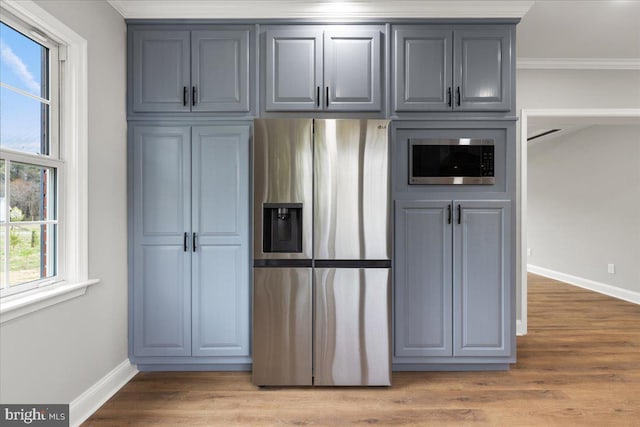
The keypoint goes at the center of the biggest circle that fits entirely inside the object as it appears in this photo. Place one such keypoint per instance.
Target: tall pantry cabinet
(190, 240)
(189, 149)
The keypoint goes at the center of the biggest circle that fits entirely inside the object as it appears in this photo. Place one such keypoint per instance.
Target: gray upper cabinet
(453, 281)
(220, 70)
(294, 69)
(183, 71)
(190, 242)
(440, 68)
(160, 71)
(482, 69)
(313, 68)
(352, 70)
(422, 69)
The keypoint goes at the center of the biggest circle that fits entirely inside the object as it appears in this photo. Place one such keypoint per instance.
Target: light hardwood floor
(579, 365)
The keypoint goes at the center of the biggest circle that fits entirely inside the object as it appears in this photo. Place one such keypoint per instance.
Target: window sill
(19, 305)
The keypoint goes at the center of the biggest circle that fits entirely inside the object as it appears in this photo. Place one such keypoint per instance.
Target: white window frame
(51, 160)
(73, 272)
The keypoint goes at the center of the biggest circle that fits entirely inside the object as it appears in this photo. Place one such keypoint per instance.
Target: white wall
(54, 355)
(578, 89)
(584, 204)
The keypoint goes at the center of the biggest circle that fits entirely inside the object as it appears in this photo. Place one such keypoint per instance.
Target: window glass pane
(31, 196)
(3, 200)
(23, 62)
(24, 123)
(31, 252)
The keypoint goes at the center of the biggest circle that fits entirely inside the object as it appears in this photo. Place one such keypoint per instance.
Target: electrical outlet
(611, 268)
(529, 251)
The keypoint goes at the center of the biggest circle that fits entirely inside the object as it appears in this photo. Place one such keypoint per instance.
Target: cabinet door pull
(327, 97)
(448, 214)
(449, 96)
(194, 94)
(318, 96)
(195, 242)
(185, 96)
(184, 242)
(458, 96)
(459, 215)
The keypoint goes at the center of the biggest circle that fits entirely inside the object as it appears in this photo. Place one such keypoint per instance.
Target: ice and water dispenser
(282, 227)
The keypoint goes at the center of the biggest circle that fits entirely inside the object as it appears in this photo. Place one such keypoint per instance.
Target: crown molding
(578, 63)
(318, 9)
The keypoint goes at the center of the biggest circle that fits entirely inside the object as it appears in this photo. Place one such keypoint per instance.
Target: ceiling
(335, 10)
(607, 30)
(580, 29)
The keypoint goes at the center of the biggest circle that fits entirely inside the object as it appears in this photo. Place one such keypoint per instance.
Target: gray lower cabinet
(181, 71)
(323, 68)
(439, 68)
(423, 279)
(453, 290)
(190, 284)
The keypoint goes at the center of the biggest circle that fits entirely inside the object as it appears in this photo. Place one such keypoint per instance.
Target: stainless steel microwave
(451, 161)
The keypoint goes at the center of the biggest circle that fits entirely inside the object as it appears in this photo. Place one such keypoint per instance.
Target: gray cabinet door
(482, 69)
(160, 71)
(423, 267)
(293, 69)
(352, 69)
(422, 69)
(220, 70)
(162, 267)
(482, 279)
(220, 241)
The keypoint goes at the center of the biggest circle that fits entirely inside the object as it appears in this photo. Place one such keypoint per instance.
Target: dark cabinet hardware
(459, 215)
(318, 96)
(327, 97)
(194, 94)
(195, 242)
(185, 96)
(449, 96)
(458, 96)
(449, 214)
(184, 241)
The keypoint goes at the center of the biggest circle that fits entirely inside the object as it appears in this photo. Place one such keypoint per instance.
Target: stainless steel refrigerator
(321, 276)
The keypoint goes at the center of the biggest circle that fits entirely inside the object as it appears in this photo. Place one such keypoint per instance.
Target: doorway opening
(544, 123)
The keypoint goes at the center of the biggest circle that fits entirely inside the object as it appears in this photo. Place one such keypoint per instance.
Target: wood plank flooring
(578, 366)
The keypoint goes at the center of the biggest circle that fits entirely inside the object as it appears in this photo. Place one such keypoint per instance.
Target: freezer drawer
(282, 326)
(352, 327)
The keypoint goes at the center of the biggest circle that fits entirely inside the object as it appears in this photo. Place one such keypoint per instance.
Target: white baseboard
(83, 406)
(592, 285)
